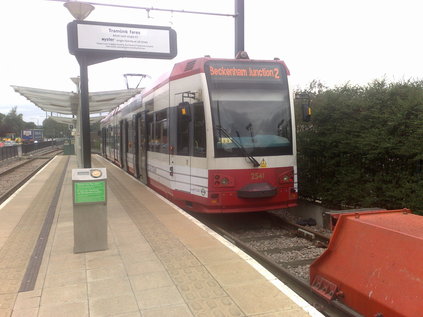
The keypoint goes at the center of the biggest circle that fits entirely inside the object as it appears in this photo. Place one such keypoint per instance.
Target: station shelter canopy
(72, 121)
(66, 103)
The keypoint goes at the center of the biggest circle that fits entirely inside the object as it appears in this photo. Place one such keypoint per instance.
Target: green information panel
(89, 192)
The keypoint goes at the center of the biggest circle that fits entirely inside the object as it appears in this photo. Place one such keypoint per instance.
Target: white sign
(117, 38)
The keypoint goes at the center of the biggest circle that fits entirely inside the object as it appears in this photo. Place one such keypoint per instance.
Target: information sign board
(90, 192)
(116, 40)
(89, 186)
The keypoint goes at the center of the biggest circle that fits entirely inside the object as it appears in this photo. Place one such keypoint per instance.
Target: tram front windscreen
(250, 108)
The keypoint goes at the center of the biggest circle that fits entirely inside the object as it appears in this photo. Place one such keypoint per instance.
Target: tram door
(123, 125)
(116, 145)
(187, 156)
(142, 146)
(134, 133)
(103, 141)
(179, 152)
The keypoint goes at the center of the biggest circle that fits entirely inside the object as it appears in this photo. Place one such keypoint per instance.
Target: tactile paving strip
(196, 283)
(16, 252)
(31, 274)
(197, 286)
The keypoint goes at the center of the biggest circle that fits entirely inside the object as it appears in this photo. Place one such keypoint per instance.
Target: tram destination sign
(114, 40)
(246, 71)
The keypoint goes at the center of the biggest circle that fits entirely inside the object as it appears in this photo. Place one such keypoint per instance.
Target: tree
(2, 127)
(54, 129)
(29, 126)
(12, 123)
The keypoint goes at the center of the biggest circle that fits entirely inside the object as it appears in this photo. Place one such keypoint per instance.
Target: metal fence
(8, 152)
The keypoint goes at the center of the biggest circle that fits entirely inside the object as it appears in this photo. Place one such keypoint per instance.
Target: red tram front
(213, 136)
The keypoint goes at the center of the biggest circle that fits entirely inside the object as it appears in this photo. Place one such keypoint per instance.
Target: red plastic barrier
(374, 264)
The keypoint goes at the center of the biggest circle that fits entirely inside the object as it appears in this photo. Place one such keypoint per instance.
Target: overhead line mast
(148, 9)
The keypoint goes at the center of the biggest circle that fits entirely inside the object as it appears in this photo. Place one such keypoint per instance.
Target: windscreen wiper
(239, 145)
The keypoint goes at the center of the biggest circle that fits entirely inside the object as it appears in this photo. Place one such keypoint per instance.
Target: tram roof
(64, 102)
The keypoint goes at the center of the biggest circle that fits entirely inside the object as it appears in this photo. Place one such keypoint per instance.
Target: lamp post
(76, 108)
(80, 11)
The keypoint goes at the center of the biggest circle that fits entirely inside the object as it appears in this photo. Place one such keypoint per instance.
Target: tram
(212, 136)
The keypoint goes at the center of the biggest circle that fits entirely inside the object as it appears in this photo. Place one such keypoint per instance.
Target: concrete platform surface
(159, 261)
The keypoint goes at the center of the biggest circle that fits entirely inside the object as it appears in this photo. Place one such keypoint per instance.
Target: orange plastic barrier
(374, 264)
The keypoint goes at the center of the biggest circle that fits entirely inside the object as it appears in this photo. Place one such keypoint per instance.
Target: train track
(15, 174)
(284, 248)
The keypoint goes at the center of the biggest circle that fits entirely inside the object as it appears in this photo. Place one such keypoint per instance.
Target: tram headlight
(287, 177)
(223, 180)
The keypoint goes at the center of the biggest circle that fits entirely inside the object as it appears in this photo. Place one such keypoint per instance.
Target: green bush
(364, 146)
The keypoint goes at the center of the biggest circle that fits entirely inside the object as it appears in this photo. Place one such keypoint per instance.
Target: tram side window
(150, 128)
(161, 132)
(130, 134)
(112, 137)
(117, 137)
(199, 131)
(158, 132)
(182, 138)
(109, 136)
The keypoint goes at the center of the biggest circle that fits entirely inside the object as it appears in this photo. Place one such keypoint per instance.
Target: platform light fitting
(79, 10)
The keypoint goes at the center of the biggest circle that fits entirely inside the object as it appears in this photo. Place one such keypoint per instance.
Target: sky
(336, 42)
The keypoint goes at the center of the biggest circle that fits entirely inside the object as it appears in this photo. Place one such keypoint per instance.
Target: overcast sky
(333, 41)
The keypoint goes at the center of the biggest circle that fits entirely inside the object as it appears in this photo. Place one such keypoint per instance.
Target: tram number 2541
(257, 176)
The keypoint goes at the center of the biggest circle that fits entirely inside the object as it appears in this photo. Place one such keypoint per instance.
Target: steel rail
(27, 161)
(14, 188)
(10, 170)
(317, 235)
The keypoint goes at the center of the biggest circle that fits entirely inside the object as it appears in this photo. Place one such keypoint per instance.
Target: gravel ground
(12, 179)
(279, 243)
(308, 253)
(249, 234)
(302, 271)
(282, 245)
(9, 163)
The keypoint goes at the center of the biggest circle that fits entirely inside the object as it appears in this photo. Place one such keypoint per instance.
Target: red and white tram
(213, 136)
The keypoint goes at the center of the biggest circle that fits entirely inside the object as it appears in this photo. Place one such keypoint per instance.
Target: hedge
(363, 146)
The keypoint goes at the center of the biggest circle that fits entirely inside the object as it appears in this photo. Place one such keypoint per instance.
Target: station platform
(160, 262)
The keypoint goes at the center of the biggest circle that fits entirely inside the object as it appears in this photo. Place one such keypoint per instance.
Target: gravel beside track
(269, 235)
(10, 163)
(15, 172)
(284, 248)
(17, 176)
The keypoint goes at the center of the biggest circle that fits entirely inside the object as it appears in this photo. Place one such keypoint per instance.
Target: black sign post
(239, 26)
(96, 42)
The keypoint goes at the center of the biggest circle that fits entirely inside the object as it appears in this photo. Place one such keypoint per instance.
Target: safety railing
(7, 152)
